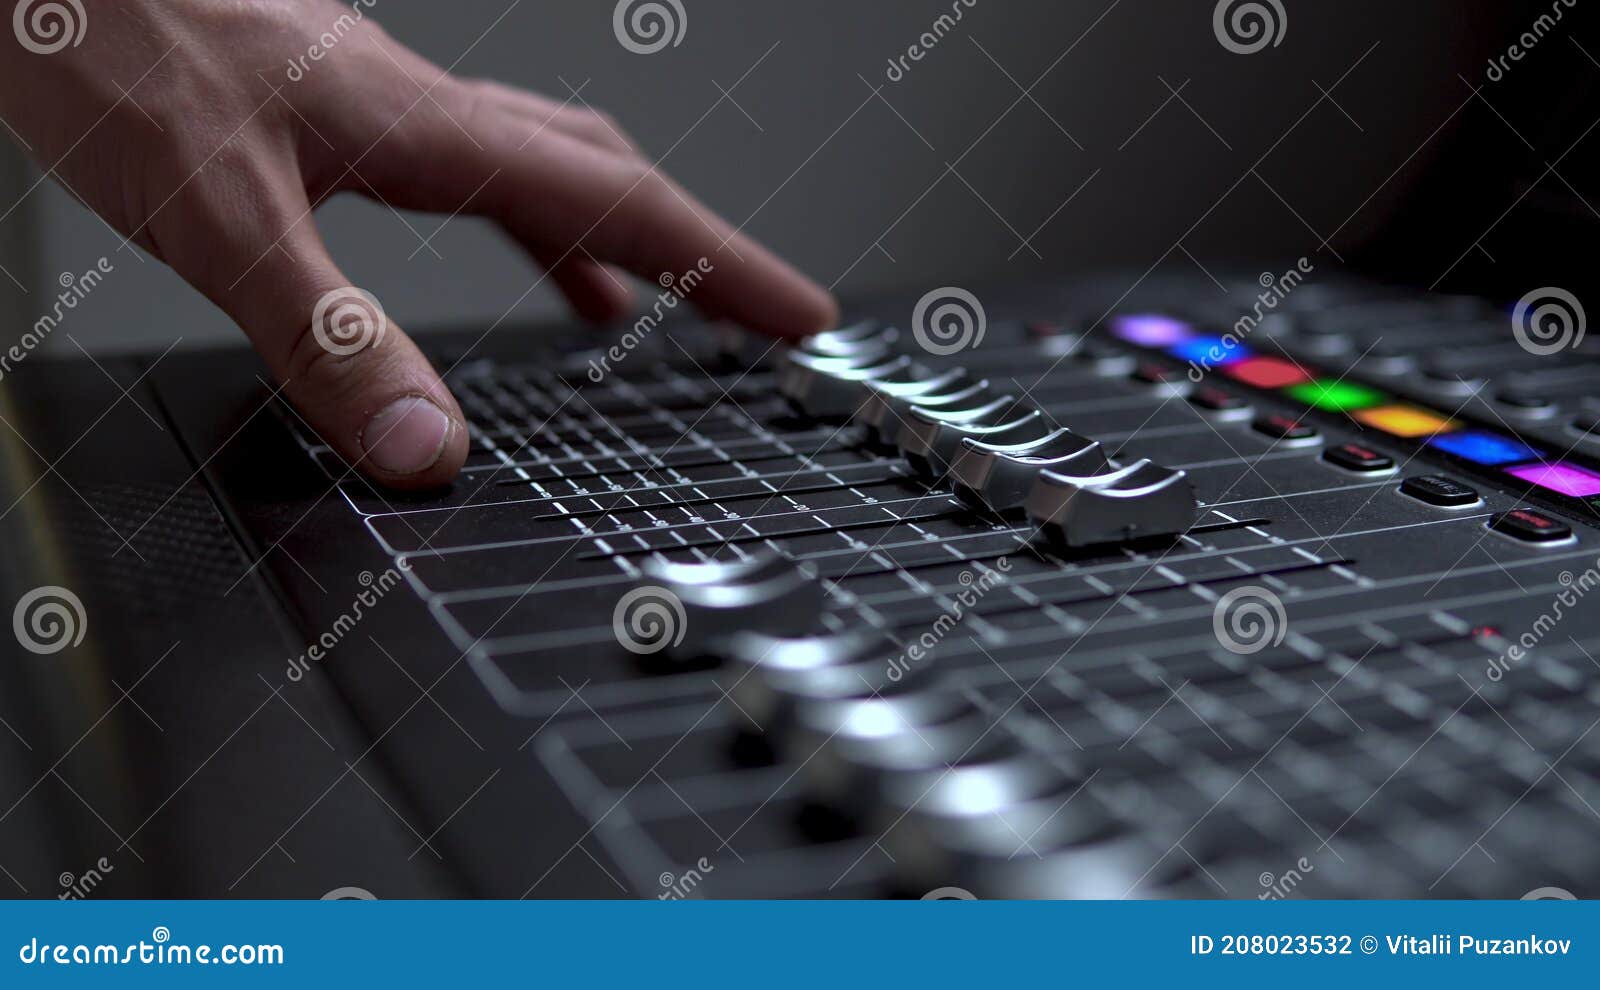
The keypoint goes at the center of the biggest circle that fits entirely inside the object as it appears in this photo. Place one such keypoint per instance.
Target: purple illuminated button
(1151, 331)
(1563, 478)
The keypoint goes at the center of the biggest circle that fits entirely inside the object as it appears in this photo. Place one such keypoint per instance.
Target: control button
(1436, 489)
(1217, 401)
(1140, 501)
(1266, 372)
(1287, 429)
(1354, 457)
(1568, 479)
(1525, 401)
(1103, 360)
(1332, 395)
(998, 477)
(1587, 423)
(1147, 330)
(1484, 447)
(1167, 380)
(1453, 381)
(1386, 359)
(1210, 352)
(1404, 421)
(1324, 341)
(1530, 526)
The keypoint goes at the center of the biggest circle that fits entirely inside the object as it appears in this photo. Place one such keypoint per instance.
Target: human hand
(163, 119)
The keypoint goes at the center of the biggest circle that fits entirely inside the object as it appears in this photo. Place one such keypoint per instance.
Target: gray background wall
(860, 194)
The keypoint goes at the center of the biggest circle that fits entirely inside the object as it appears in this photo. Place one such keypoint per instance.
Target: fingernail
(406, 437)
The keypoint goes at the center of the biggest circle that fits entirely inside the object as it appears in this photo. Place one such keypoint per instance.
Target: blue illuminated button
(1210, 352)
(1484, 447)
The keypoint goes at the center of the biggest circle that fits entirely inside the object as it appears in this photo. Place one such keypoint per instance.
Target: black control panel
(1166, 594)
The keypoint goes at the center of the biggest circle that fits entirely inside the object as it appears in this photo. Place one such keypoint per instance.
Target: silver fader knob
(760, 566)
(867, 336)
(717, 600)
(831, 388)
(881, 393)
(787, 683)
(852, 749)
(998, 477)
(931, 438)
(1017, 827)
(1140, 501)
(769, 669)
(885, 412)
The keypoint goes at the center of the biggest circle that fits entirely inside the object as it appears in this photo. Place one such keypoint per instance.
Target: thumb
(356, 378)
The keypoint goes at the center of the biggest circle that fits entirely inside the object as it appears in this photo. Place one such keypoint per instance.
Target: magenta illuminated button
(1563, 478)
(1151, 331)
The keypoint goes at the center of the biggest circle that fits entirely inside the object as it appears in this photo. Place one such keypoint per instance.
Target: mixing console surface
(1160, 603)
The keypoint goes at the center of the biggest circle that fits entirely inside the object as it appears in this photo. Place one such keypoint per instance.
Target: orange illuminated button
(1404, 421)
(1266, 372)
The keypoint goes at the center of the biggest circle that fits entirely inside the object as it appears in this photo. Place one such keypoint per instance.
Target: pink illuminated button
(1563, 478)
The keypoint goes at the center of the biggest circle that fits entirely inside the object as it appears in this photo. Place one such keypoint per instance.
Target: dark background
(951, 175)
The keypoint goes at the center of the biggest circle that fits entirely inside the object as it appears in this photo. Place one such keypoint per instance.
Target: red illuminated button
(1530, 526)
(1266, 372)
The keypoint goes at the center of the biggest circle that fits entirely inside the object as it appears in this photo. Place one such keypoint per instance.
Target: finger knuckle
(333, 371)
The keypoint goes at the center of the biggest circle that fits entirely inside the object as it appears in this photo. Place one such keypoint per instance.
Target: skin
(207, 170)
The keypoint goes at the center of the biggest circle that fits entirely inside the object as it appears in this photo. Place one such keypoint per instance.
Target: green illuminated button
(1336, 396)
